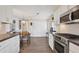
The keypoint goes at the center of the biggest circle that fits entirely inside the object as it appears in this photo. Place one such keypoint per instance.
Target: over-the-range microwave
(70, 16)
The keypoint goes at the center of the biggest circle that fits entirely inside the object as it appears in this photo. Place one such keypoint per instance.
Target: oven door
(60, 47)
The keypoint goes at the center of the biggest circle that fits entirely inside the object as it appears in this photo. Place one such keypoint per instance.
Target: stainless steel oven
(61, 45)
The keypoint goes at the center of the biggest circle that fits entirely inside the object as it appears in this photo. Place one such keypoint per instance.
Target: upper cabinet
(71, 6)
(6, 14)
(60, 11)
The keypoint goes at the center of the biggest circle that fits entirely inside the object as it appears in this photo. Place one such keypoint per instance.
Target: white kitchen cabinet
(73, 48)
(8, 27)
(64, 9)
(17, 26)
(51, 41)
(71, 6)
(11, 45)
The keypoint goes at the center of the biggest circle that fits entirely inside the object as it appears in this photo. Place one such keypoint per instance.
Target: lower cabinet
(51, 41)
(73, 48)
(11, 45)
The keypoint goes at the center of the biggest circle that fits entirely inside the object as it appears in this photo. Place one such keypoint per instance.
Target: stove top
(64, 38)
(68, 36)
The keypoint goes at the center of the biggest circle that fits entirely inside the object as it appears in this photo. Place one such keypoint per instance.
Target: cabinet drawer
(73, 48)
(3, 44)
(14, 40)
(73, 52)
(10, 45)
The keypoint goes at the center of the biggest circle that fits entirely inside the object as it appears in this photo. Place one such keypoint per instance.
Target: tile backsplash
(69, 28)
(2, 28)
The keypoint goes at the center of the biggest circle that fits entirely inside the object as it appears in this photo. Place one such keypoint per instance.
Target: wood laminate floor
(37, 45)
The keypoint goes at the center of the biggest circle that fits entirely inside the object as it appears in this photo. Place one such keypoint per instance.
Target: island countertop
(7, 36)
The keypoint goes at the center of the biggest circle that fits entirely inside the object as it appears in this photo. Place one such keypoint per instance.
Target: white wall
(39, 28)
(72, 28)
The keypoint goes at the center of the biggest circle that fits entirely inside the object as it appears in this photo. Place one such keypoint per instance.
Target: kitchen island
(9, 43)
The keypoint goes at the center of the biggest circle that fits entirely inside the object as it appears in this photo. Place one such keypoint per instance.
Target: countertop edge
(14, 34)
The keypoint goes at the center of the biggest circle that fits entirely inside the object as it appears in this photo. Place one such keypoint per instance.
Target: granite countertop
(71, 37)
(7, 36)
(76, 41)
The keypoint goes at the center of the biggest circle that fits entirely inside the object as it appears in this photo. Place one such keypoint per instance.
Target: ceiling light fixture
(37, 13)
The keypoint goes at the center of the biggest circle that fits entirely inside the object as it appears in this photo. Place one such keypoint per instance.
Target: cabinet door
(73, 48)
(17, 44)
(4, 44)
(51, 41)
(14, 45)
(11, 45)
(71, 6)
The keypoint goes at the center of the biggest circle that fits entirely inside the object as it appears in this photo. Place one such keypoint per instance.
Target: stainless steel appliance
(61, 45)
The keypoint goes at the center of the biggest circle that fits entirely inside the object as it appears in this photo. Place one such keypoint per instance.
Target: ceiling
(35, 12)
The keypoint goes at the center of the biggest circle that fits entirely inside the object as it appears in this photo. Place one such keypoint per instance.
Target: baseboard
(38, 36)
